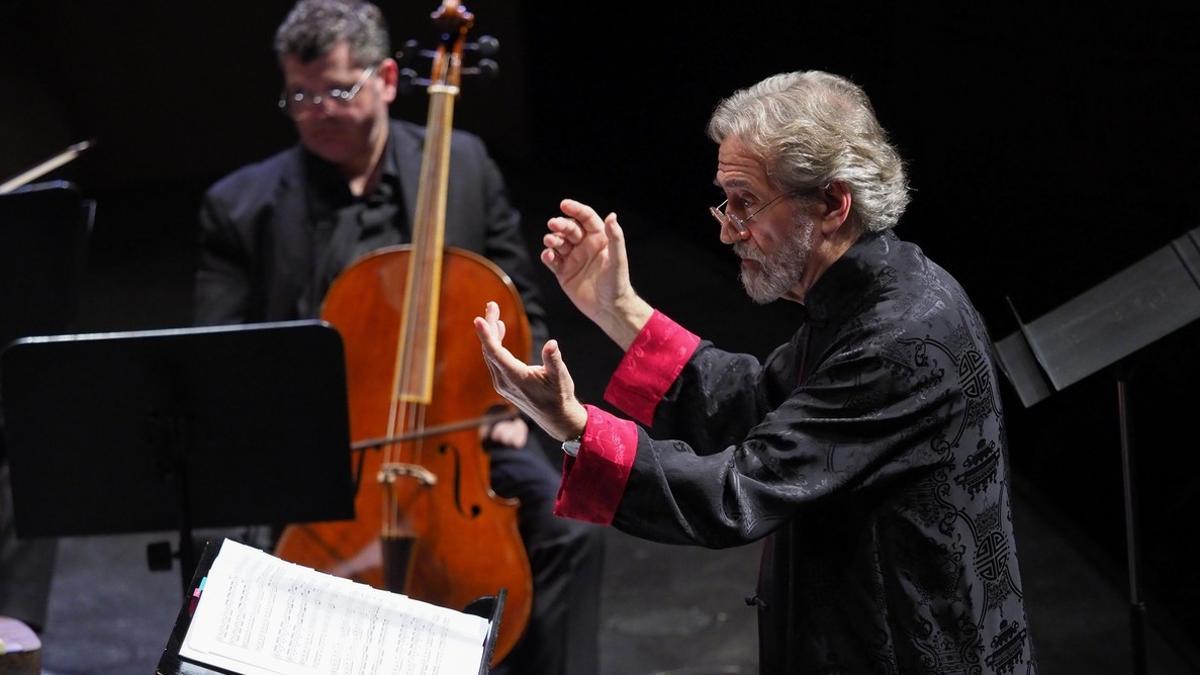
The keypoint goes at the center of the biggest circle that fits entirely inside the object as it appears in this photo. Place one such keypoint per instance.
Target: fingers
(485, 325)
(562, 231)
(583, 214)
(490, 330)
(612, 228)
(564, 234)
(579, 227)
(556, 368)
(616, 237)
(577, 221)
(550, 351)
(492, 314)
(558, 245)
(486, 334)
(555, 241)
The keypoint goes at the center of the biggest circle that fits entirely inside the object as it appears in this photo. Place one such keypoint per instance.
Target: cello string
(405, 408)
(425, 240)
(413, 358)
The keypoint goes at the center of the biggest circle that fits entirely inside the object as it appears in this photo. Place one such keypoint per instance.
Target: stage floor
(666, 609)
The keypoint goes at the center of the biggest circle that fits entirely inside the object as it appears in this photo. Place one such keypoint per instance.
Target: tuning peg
(486, 46)
(409, 80)
(410, 51)
(486, 68)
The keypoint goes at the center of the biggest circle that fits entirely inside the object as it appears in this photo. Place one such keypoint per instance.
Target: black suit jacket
(257, 254)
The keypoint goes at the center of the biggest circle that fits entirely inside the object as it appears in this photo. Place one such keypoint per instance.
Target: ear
(834, 210)
(389, 74)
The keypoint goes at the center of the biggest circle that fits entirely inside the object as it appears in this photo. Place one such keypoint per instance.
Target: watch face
(571, 448)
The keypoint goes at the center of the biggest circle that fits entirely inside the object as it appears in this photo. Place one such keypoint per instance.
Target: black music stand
(490, 607)
(43, 236)
(1102, 327)
(177, 429)
(44, 230)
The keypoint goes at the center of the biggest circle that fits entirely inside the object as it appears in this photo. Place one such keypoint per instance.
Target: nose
(726, 236)
(730, 234)
(322, 107)
(319, 105)
(313, 111)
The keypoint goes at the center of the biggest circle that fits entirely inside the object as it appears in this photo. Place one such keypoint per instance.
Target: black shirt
(344, 226)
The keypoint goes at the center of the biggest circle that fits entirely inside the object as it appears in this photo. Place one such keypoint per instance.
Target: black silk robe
(868, 454)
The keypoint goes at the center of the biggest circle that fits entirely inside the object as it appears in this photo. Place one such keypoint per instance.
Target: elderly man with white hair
(868, 453)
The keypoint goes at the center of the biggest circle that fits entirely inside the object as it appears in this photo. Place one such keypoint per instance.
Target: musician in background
(275, 234)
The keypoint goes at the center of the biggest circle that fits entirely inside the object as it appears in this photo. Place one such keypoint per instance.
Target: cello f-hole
(448, 448)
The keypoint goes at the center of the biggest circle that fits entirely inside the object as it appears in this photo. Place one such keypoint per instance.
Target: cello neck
(419, 330)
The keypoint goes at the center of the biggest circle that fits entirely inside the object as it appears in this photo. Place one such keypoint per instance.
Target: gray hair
(314, 27)
(812, 128)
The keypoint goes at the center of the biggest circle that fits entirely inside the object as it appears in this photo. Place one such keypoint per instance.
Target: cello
(427, 523)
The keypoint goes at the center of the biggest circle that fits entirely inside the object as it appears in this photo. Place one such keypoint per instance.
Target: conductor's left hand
(545, 393)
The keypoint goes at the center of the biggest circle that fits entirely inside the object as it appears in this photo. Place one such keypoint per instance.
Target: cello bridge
(390, 471)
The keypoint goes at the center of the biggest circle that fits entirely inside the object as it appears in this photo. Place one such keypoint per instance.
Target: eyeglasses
(298, 100)
(725, 218)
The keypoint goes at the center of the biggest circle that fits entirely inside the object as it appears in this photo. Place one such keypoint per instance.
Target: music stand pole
(179, 433)
(1137, 607)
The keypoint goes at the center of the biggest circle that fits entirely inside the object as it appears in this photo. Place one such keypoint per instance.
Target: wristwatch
(571, 446)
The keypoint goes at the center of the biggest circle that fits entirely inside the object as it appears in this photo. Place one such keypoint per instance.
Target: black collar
(328, 188)
(846, 285)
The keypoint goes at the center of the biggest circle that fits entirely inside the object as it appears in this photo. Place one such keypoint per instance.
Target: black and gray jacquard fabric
(869, 454)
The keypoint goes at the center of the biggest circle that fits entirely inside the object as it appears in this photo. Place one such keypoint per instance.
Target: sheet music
(260, 615)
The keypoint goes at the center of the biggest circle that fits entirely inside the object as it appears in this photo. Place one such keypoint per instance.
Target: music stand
(1101, 327)
(43, 235)
(177, 429)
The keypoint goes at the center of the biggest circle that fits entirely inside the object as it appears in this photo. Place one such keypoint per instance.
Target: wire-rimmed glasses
(298, 100)
(741, 225)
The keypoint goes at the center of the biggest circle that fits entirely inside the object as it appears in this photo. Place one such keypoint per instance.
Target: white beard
(777, 273)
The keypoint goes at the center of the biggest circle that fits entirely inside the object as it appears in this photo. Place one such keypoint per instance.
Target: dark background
(1048, 147)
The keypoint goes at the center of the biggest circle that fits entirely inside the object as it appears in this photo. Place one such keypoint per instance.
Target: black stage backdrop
(1049, 147)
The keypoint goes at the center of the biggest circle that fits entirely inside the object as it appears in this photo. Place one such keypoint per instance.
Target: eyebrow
(733, 183)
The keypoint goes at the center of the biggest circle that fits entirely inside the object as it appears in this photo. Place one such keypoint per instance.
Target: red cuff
(650, 366)
(594, 481)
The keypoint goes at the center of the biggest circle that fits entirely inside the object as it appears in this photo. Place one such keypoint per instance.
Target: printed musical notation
(259, 614)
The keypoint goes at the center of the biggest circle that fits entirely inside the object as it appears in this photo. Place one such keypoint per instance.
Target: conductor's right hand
(587, 256)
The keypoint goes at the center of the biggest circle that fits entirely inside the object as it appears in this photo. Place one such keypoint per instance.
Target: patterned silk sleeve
(849, 425)
(682, 387)
(594, 480)
(650, 367)
(862, 418)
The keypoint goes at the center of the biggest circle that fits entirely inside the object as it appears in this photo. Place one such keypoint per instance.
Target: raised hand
(545, 393)
(587, 256)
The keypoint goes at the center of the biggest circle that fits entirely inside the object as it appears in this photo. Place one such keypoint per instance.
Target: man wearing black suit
(275, 234)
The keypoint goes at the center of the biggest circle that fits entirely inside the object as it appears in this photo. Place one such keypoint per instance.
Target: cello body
(453, 540)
